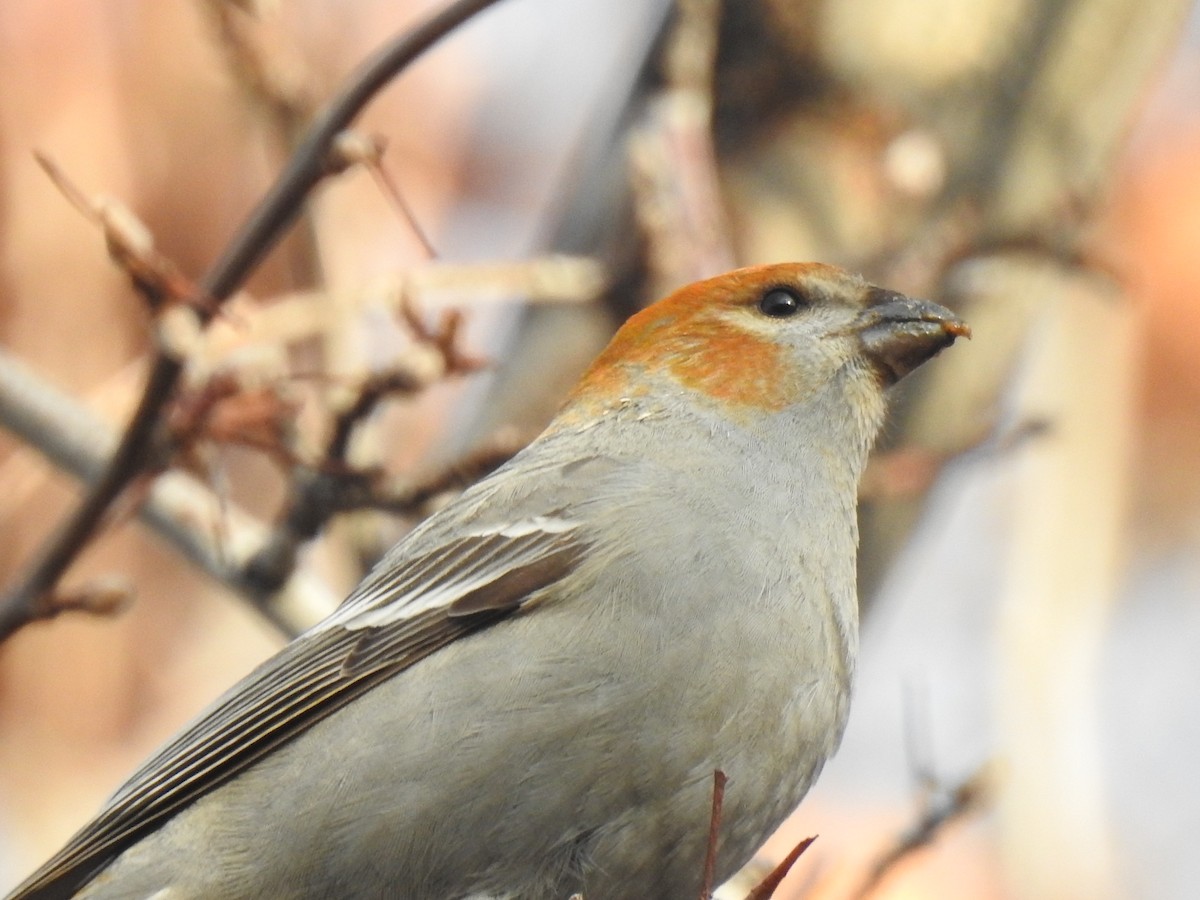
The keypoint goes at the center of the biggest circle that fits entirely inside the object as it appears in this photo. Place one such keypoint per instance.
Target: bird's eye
(779, 303)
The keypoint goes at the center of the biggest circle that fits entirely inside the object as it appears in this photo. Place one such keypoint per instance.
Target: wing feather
(403, 613)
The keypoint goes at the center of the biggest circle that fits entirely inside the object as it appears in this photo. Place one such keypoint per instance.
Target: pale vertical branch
(1063, 577)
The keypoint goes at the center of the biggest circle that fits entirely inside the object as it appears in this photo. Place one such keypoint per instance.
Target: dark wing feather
(399, 616)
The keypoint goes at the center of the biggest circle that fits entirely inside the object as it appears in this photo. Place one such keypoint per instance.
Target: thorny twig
(262, 230)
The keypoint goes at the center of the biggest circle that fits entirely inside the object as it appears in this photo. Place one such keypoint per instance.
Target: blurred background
(1027, 719)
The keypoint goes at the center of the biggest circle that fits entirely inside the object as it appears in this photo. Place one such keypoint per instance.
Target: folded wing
(422, 599)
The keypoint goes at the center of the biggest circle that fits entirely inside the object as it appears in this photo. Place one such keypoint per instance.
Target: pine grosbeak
(529, 695)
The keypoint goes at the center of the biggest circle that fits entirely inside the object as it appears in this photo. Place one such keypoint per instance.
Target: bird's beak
(899, 333)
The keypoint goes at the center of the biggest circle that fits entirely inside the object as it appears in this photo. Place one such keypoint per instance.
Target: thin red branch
(714, 832)
(766, 888)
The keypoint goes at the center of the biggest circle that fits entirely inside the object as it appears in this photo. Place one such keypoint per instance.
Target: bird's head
(767, 338)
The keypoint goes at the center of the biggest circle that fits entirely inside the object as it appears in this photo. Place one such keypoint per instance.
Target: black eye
(779, 303)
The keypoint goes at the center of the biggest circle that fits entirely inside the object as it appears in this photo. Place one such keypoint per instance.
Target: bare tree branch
(262, 230)
(935, 817)
(318, 493)
(179, 508)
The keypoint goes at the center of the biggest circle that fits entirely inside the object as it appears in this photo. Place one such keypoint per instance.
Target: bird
(529, 696)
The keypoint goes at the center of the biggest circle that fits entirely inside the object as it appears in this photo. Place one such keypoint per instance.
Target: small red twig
(766, 888)
(333, 485)
(224, 411)
(445, 337)
(714, 829)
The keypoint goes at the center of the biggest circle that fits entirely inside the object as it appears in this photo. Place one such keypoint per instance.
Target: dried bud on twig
(105, 596)
(225, 411)
(130, 244)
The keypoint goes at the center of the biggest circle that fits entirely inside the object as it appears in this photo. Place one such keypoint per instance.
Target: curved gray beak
(899, 333)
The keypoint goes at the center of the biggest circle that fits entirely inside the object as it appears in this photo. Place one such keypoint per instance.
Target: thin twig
(130, 244)
(404, 497)
(714, 832)
(367, 151)
(318, 494)
(262, 230)
(179, 508)
(280, 88)
(274, 80)
(766, 888)
(966, 797)
(104, 596)
(673, 165)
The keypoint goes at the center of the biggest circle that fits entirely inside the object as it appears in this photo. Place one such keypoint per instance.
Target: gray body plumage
(530, 695)
(431, 785)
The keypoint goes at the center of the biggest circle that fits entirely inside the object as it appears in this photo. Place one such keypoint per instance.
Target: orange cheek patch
(733, 367)
(702, 351)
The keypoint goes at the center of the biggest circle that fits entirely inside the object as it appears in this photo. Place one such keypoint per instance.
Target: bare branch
(304, 314)
(937, 815)
(179, 508)
(334, 486)
(404, 497)
(262, 230)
